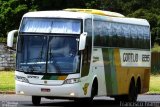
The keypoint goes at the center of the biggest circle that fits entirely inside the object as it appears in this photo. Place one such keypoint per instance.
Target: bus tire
(83, 100)
(138, 85)
(119, 98)
(36, 100)
(132, 95)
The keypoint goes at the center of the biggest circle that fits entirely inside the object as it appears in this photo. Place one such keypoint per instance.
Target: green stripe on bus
(110, 71)
(49, 77)
(54, 77)
(113, 72)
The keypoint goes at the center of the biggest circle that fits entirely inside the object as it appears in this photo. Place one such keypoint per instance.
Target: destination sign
(135, 58)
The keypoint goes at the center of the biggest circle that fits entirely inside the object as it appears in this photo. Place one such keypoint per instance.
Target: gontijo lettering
(130, 57)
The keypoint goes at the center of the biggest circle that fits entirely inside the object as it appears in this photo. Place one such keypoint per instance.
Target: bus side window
(110, 35)
(140, 40)
(87, 52)
(121, 37)
(86, 58)
(99, 33)
(133, 36)
(96, 34)
(106, 37)
(125, 34)
(87, 55)
(146, 42)
(115, 35)
(146, 37)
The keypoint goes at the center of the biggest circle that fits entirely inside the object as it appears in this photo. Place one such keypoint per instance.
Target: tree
(153, 20)
(11, 13)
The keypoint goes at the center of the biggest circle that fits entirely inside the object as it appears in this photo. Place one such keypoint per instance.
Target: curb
(152, 94)
(8, 92)
(12, 92)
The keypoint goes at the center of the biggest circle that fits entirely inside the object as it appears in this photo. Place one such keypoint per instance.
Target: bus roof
(55, 14)
(96, 12)
(84, 15)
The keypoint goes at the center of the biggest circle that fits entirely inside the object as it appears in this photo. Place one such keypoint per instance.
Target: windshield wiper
(39, 58)
(51, 57)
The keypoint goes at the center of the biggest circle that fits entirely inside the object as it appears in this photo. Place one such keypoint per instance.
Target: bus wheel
(83, 100)
(132, 96)
(119, 98)
(36, 100)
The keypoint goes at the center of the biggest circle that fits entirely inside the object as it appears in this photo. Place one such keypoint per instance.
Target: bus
(81, 53)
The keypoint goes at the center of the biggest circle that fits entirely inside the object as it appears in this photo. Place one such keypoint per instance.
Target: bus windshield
(47, 54)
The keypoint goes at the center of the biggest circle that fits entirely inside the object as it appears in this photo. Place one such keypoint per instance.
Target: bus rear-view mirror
(10, 38)
(82, 41)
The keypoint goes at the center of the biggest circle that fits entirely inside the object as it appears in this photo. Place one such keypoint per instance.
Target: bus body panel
(124, 74)
(117, 78)
(98, 70)
(104, 64)
(54, 91)
(56, 87)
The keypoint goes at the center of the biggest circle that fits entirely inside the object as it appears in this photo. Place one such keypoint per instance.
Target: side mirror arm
(10, 38)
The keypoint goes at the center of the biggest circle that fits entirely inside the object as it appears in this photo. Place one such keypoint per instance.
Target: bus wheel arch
(138, 85)
(93, 92)
(94, 88)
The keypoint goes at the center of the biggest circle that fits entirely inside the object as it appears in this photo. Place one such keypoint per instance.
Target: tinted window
(112, 34)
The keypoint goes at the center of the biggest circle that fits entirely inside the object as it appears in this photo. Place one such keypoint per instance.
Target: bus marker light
(72, 94)
(21, 92)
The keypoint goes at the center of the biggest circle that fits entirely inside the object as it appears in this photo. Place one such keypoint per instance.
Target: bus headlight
(72, 81)
(21, 79)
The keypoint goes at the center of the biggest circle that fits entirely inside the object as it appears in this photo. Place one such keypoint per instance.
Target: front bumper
(65, 90)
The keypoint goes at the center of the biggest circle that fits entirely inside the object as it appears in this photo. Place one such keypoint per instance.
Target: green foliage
(11, 11)
(153, 19)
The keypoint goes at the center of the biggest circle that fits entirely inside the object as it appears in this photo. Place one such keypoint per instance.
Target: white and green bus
(79, 54)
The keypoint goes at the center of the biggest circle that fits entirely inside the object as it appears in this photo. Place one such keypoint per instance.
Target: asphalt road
(25, 101)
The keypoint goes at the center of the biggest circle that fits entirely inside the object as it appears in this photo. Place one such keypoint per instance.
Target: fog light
(21, 92)
(72, 94)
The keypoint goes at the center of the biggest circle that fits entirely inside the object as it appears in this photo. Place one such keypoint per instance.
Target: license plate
(45, 90)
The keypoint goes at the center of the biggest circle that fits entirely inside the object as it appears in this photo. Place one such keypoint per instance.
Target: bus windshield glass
(48, 25)
(47, 54)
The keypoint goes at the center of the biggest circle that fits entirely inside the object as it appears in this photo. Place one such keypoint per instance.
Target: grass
(154, 84)
(7, 81)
